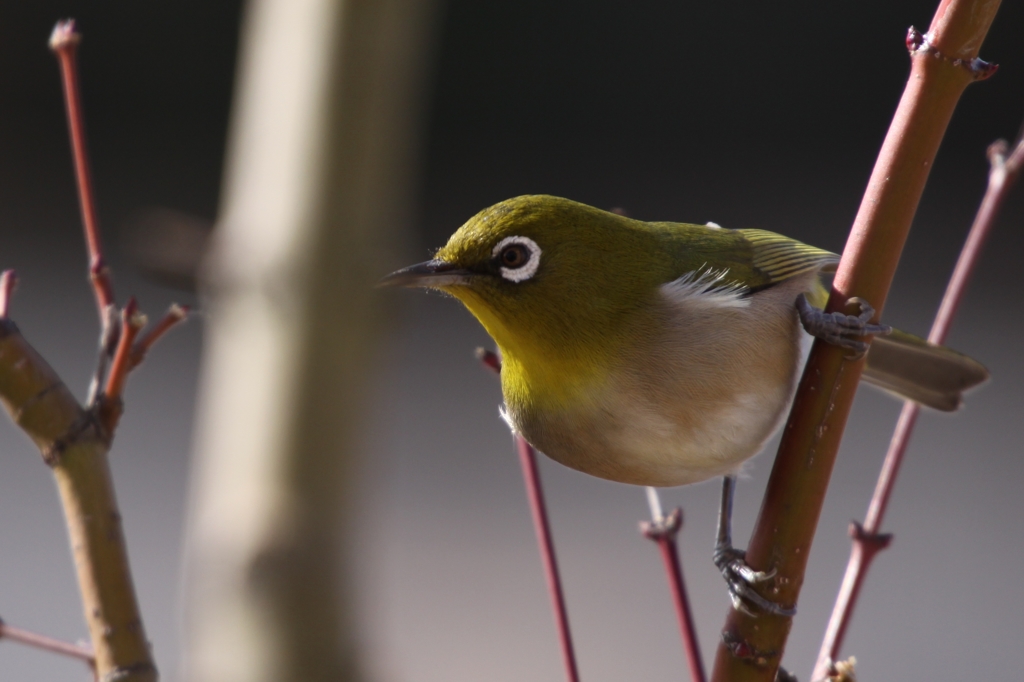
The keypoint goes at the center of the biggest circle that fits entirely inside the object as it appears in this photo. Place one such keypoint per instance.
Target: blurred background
(753, 115)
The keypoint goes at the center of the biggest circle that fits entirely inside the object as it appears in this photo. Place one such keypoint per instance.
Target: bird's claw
(840, 329)
(741, 579)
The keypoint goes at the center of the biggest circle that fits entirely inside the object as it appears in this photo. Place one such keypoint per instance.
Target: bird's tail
(916, 370)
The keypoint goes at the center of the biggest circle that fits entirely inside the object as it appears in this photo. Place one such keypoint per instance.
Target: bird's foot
(840, 329)
(739, 577)
(741, 580)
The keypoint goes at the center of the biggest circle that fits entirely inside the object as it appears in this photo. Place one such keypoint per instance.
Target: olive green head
(550, 279)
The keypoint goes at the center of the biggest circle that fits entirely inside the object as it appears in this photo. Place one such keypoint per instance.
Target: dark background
(748, 114)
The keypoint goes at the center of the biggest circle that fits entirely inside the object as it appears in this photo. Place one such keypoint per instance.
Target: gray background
(751, 115)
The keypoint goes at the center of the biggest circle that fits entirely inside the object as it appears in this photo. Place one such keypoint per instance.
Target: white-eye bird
(658, 353)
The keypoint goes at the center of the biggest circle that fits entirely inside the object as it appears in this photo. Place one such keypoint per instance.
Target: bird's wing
(776, 258)
(752, 259)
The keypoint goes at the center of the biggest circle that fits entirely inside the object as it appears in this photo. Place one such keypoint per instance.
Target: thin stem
(664, 530)
(110, 334)
(64, 42)
(531, 476)
(8, 281)
(174, 315)
(867, 541)
(535, 493)
(132, 322)
(1003, 173)
(943, 63)
(45, 643)
(109, 405)
(654, 502)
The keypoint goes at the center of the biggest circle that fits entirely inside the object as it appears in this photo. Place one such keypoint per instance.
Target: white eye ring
(527, 269)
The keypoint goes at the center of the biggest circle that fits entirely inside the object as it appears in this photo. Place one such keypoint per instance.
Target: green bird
(659, 353)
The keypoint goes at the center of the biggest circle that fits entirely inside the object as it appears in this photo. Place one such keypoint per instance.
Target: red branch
(664, 532)
(8, 281)
(64, 43)
(751, 647)
(132, 322)
(867, 541)
(174, 315)
(46, 643)
(531, 477)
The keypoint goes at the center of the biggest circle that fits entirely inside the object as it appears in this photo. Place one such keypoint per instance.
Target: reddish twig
(109, 405)
(531, 476)
(64, 43)
(867, 541)
(752, 646)
(45, 643)
(174, 315)
(489, 359)
(664, 530)
(132, 322)
(8, 281)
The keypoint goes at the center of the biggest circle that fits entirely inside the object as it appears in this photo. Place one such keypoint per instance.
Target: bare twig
(64, 42)
(110, 333)
(74, 443)
(489, 359)
(45, 643)
(531, 477)
(132, 322)
(174, 315)
(110, 406)
(867, 539)
(8, 282)
(752, 647)
(664, 530)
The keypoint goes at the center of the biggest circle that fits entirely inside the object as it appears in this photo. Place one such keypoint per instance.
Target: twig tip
(64, 35)
(666, 528)
(178, 311)
(996, 151)
(8, 283)
(489, 359)
(175, 314)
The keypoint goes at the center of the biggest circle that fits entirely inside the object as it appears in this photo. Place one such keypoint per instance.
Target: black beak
(433, 273)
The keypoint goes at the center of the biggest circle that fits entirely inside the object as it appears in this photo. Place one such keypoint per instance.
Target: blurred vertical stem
(943, 63)
(317, 182)
(868, 539)
(664, 530)
(542, 529)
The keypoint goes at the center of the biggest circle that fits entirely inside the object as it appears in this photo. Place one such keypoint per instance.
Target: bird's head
(553, 281)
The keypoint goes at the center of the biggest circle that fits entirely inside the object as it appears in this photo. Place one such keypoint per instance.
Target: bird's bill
(432, 273)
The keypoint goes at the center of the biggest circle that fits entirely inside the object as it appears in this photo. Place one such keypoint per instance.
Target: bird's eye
(517, 257)
(514, 256)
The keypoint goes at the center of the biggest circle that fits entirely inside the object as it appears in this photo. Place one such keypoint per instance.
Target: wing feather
(780, 258)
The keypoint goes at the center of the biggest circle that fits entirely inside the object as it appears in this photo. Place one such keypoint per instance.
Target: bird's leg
(739, 577)
(840, 329)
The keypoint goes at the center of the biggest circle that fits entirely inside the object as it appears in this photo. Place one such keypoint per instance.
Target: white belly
(685, 405)
(653, 448)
